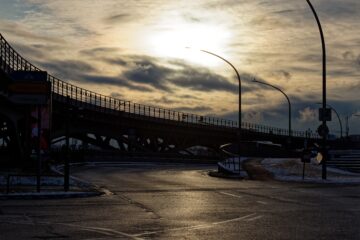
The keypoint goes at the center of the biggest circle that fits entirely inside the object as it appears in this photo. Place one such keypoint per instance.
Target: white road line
(235, 219)
(104, 231)
(230, 194)
(209, 225)
(254, 218)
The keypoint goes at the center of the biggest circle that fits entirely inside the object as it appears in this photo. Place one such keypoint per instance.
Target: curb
(49, 195)
(225, 175)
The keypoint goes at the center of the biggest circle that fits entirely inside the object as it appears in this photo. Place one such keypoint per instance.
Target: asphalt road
(182, 202)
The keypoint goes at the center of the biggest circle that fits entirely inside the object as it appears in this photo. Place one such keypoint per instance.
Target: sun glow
(184, 40)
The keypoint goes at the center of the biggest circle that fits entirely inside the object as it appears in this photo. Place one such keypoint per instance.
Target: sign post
(306, 157)
(67, 152)
(32, 88)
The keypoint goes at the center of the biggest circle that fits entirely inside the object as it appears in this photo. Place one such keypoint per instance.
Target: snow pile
(291, 169)
(231, 165)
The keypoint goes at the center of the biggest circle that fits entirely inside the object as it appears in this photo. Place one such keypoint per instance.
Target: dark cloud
(286, 74)
(165, 100)
(194, 109)
(28, 50)
(116, 95)
(339, 9)
(188, 96)
(114, 81)
(353, 58)
(68, 69)
(203, 80)
(116, 61)
(286, 11)
(148, 72)
(117, 18)
(99, 51)
(348, 55)
(191, 18)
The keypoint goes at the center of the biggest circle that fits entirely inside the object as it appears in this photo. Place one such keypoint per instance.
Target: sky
(149, 52)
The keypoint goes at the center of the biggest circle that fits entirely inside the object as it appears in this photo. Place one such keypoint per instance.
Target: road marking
(262, 202)
(232, 195)
(254, 218)
(208, 225)
(234, 219)
(104, 231)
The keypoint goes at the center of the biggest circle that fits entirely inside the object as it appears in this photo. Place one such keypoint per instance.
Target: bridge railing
(11, 61)
(100, 102)
(106, 103)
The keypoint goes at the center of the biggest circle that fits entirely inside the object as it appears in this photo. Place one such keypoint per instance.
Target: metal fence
(11, 61)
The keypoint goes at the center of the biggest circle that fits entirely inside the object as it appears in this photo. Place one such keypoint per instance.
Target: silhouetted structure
(106, 122)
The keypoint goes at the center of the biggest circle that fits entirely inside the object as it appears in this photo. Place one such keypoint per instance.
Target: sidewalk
(23, 186)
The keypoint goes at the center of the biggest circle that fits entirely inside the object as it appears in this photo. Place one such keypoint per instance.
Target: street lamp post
(287, 98)
(239, 119)
(323, 88)
(347, 122)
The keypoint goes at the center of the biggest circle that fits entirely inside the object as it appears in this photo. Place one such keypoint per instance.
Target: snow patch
(290, 169)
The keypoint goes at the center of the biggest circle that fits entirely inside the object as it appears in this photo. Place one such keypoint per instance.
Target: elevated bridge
(115, 124)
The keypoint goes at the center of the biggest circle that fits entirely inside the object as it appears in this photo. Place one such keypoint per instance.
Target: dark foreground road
(183, 202)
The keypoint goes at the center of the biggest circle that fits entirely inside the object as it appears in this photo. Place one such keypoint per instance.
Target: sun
(185, 40)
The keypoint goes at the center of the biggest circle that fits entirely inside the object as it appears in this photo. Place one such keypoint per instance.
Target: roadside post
(323, 131)
(67, 160)
(305, 158)
(33, 88)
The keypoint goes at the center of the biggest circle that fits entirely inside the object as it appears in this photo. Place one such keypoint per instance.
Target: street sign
(323, 130)
(29, 87)
(319, 157)
(29, 76)
(325, 114)
(32, 99)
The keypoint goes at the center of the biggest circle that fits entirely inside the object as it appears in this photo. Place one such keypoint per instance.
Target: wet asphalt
(175, 201)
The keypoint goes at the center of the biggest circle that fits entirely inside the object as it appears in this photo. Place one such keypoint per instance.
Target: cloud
(188, 96)
(194, 109)
(18, 30)
(253, 116)
(29, 50)
(148, 72)
(116, 95)
(113, 81)
(203, 80)
(117, 18)
(307, 115)
(99, 51)
(277, 41)
(67, 69)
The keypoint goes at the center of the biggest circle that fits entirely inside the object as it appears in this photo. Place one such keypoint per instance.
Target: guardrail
(11, 61)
